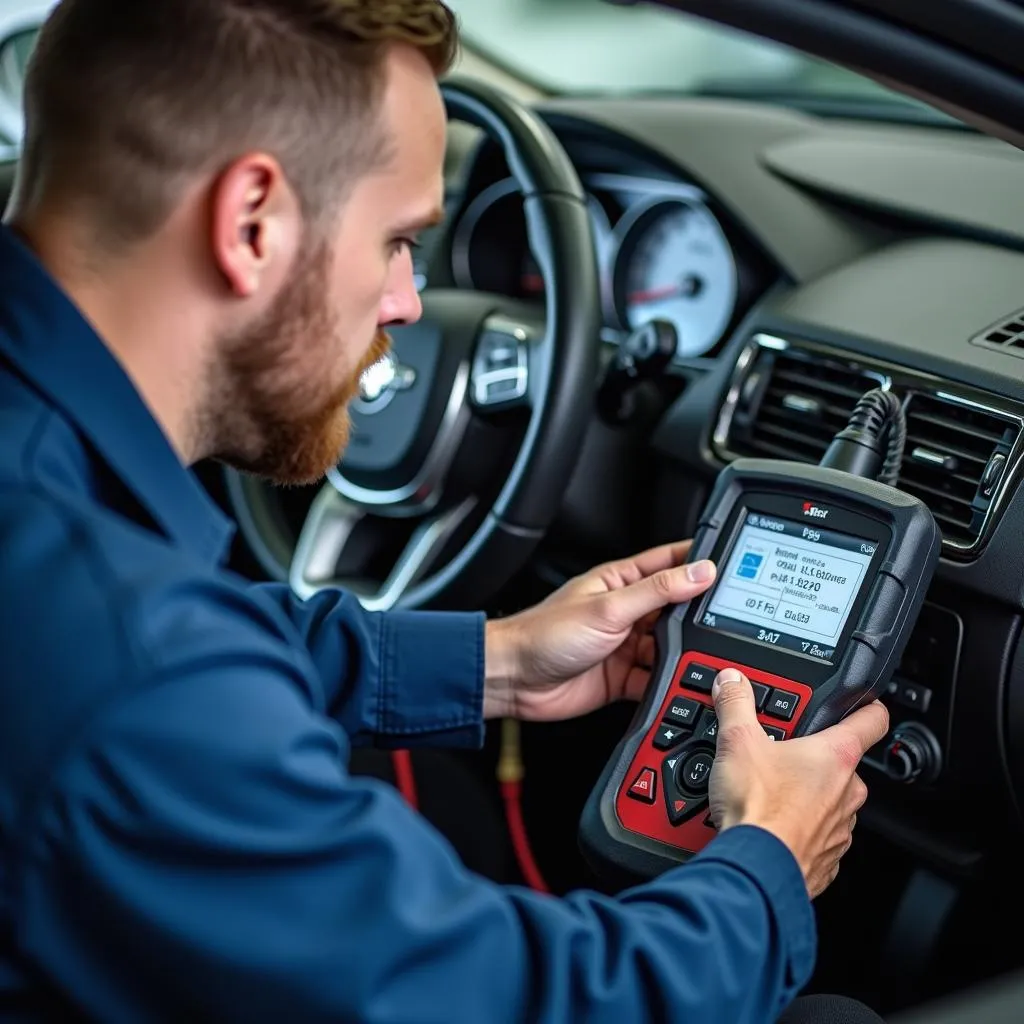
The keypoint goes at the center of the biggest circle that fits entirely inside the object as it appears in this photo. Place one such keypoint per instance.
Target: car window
(15, 50)
(14, 55)
(588, 47)
(592, 46)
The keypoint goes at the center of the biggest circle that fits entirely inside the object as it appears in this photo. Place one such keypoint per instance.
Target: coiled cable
(877, 423)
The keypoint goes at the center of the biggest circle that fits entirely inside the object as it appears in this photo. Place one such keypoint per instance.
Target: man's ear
(256, 225)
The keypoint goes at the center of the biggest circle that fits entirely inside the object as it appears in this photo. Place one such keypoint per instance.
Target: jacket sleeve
(202, 853)
(396, 679)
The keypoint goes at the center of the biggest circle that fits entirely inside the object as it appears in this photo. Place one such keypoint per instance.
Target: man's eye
(405, 243)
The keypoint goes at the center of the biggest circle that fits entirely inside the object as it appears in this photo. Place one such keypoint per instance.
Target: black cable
(897, 442)
(877, 420)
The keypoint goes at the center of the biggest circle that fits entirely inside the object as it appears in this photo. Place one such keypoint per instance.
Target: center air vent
(954, 460)
(788, 400)
(791, 404)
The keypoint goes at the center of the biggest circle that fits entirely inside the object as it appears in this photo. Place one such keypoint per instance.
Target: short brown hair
(126, 100)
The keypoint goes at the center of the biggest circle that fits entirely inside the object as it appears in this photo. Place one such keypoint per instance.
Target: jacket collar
(48, 340)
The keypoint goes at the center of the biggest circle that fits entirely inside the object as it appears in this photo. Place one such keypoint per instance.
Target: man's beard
(269, 415)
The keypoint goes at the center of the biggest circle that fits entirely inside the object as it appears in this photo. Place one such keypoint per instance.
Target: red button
(644, 786)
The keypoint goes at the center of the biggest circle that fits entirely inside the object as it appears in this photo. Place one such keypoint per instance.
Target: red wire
(512, 792)
(405, 778)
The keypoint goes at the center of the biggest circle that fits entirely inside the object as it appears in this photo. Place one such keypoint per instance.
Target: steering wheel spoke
(327, 532)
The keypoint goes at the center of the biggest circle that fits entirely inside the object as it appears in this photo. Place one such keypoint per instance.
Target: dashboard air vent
(955, 457)
(1007, 336)
(792, 404)
(788, 399)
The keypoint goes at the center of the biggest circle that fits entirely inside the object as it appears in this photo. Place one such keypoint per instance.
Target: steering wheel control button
(669, 736)
(498, 390)
(782, 704)
(773, 732)
(683, 711)
(760, 694)
(498, 352)
(708, 727)
(699, 678)
(500, 367)
(645, 786)
(694, 772)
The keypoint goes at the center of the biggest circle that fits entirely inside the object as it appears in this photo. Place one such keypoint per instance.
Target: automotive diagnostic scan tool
(822, 571)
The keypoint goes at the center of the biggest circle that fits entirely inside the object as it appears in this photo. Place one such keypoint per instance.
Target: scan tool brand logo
(380, 382)
(813, 512)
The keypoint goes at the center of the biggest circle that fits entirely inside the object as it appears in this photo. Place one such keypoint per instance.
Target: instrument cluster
(662, 250)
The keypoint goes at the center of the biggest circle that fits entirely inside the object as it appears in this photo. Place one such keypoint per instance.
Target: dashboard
(802, 261)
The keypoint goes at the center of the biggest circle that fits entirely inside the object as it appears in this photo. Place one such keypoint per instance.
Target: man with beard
(210, 234)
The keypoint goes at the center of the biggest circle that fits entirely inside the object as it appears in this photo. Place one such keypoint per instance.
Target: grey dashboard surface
(780, 171)
(922, 300)
(968, 181)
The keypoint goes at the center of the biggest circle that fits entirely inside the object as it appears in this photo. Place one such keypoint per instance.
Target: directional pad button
(681, 804)
(669, 736)
(694, 771)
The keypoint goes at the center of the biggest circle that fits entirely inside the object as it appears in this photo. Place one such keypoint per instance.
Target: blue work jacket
(180, 836)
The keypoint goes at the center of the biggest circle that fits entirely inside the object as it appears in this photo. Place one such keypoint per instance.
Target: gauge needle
(654, 294)
(690, 287)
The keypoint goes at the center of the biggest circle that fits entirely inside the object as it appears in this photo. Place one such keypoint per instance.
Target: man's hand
(589, 643)
(806, 791)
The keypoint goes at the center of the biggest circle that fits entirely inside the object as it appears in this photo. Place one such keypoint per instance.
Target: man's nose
(402, 304)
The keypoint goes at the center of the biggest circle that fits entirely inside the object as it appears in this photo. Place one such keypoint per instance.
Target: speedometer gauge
(674, 263)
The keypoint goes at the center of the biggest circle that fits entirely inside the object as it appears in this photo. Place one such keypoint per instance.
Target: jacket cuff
(432, 680)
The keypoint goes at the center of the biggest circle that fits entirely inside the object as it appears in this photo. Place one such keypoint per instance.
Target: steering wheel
(478, 375)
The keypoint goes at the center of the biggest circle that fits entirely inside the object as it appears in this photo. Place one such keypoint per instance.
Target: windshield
(586, 46)
(591, 46)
